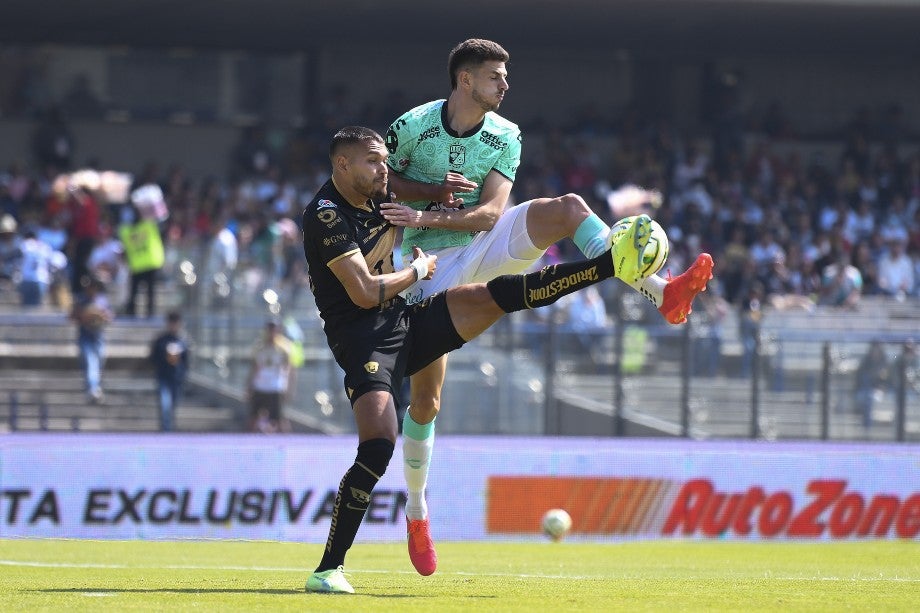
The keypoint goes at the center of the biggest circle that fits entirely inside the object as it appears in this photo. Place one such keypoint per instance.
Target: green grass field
(76, 575)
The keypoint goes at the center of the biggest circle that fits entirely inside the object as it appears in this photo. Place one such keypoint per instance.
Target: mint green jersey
(423, 148)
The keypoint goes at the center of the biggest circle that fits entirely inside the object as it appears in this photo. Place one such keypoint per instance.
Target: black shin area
(352, 499)
(534, 290)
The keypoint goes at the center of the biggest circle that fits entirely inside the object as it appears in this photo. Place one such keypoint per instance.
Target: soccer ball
(556, 523)
(655, 254)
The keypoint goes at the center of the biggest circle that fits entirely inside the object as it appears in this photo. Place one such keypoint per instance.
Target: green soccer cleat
(628, 249)
(330, 582)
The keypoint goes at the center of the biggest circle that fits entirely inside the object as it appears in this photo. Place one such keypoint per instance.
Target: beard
(375, 191)
(484, 104)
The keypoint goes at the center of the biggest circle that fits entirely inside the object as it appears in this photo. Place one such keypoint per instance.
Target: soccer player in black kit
(378, 340)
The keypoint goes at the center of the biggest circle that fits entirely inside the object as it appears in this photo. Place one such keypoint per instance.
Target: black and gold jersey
(334, 229)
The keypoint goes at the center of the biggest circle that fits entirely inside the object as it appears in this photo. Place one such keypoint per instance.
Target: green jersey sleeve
(423, 148)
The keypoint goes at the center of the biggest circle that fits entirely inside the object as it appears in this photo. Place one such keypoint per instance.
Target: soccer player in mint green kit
(462, 146)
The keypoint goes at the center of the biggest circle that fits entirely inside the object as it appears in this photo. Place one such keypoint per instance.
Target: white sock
(418, 444)
(652, 287)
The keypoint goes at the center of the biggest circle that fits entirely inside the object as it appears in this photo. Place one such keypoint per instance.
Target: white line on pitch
(283, 569)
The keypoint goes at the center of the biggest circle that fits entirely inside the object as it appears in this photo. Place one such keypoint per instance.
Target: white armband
(420, 266)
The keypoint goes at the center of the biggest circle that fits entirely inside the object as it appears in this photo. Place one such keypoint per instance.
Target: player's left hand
(454, 182)
(430, 260)
(401, 215)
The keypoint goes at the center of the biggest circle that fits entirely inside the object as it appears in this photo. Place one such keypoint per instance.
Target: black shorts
(269, 401)
(378, 350)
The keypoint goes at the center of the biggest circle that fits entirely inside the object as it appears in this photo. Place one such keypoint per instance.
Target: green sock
(591, 236)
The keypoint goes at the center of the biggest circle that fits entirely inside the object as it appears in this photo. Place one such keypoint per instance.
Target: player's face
(368, 170)
(489, 84)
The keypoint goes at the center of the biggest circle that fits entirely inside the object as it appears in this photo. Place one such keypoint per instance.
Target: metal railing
(798, 377)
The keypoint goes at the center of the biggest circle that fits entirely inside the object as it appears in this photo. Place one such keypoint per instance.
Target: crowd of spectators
(791, 229)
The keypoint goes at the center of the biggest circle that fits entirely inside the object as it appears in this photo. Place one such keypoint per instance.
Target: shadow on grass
(300, 592)
(162, 590)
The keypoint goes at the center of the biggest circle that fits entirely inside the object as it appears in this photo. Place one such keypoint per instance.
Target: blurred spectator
(873, 379)
(766, 251)
(270, 382)
(107, 263)
(841, 284)
(781, 286)
(897, 220)
(690, 169)
(867, 263)
(896, 271)
(169, 354)
(802, 278)
(37, 267)
(10, 251)
(84, 214)
(223, 254)
(860, 225)
(730, 267)
(145, 256)
(907, 365)
(92, 313)
(266, 249)
(749, 320)
(586, 318)
(708, 323)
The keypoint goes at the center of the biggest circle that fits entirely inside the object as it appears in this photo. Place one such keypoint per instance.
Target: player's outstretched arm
(367, 290)
(408, 190)
(495, 193)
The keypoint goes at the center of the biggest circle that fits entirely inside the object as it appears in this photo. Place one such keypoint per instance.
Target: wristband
(420, 266)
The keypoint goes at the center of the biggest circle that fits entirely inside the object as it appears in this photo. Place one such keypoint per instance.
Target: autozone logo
(832, 511)
(661, 507)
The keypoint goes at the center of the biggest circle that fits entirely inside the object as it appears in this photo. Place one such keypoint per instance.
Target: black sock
(352, 499)
(546, 286)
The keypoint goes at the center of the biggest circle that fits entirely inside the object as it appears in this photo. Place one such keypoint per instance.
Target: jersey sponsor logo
(371, 367)
(542, 293)
(413, 296)
(493, 141)
(457, 155)
(432, 132)
(391, 140)
(327, 217)
(325, 204)
(332, 240)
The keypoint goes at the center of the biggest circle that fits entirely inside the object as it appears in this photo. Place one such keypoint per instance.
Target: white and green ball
(655, 254)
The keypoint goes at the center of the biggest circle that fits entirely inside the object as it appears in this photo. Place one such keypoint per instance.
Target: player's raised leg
(672, 296)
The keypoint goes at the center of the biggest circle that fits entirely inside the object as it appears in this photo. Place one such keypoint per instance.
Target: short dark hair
(351, 135)
(473, 52)
(174, 317)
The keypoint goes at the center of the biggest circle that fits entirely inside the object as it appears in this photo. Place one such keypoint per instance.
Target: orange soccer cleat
(682, 289)
(421, 547)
